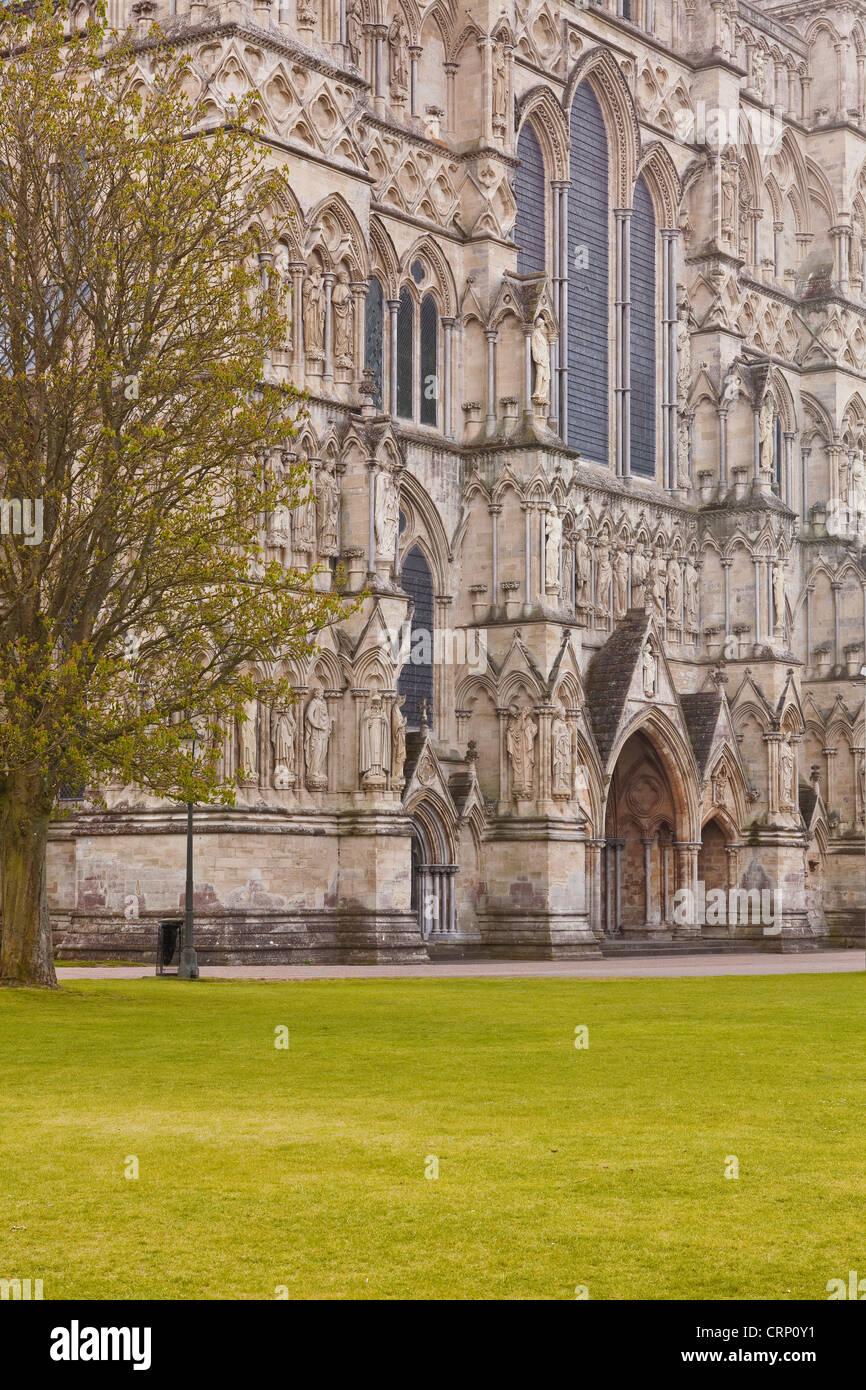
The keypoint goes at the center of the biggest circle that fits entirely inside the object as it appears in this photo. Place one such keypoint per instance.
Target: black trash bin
(168, 946)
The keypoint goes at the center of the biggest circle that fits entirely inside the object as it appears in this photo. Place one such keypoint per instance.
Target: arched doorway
(434, 896)
(646, 850)
(717, 876)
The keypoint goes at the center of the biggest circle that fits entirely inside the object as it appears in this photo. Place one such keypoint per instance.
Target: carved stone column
(491, 335)
(596, 869)
(328, 370)
(393, 310)
(359, 304)
(544, 715)
(297, 270)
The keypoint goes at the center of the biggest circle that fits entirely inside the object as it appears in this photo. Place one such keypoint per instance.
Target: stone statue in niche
(314, 315)
(675, 589)
(387, 513)
(787, 774)
(658, 577)
(720, 785)
(582, 568)
(398, 46)
(540, 348)
(284, 730)
(552, 550)
(744, 219)
(759, 64)
(765, 436)
(279, 529)
(304, 521)
(354, 30)
(398, 737)
(684, 452)
(500, 86)
(248, 753)
(603, 577)
(327, 509)
(684, 356)
(318, 725)
(620, 584)
(726, 42)
(520, 746)
(730, 195)
(376, 738)
(650, 671)
(561, 755)
(858, 491)
(730, 391)
(344, 318)
(691, 586)
(779, 598)
(858, 243)
(639, 577)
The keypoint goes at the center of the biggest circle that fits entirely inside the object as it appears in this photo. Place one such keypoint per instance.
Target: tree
(135, 427)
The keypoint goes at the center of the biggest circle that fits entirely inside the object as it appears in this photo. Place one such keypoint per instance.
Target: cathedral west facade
(578, 296)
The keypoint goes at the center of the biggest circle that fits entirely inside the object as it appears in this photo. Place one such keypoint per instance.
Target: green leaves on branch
(135, 320)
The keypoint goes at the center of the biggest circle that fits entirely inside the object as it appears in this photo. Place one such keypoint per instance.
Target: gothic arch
(676, 757)
(821, 192)
(601, 70)
(384, 260)
(541, 109)
(662, 180)
(435, 823)
(424, 528)
(335, 233)
(443, 287)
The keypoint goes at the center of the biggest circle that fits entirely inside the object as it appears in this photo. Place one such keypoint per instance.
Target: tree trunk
(26, 950)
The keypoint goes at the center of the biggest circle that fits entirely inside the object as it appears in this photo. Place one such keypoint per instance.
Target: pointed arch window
(530, 194)
(588, 279)
(643, 333)
(373, 336)
(405, 354)
(429, 360)
(416, 678)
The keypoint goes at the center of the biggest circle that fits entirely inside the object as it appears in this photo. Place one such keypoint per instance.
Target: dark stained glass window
(529, 191)
(429, 360)
(405, 353)
(643, 334)
(416, 678)
(588, 279)
(373, 343)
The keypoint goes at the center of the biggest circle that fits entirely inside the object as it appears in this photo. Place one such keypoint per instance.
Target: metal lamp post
(188, 964)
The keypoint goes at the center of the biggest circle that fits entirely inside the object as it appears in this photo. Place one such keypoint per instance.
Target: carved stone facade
(587, 420)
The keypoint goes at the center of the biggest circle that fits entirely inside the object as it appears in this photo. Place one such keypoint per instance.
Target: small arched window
(429, 360)
(405, 354)
(373, 340)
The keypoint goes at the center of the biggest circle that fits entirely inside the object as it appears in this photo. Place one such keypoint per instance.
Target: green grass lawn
(558, 1167)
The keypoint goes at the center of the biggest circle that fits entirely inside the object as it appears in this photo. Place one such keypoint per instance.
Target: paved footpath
(634, 967)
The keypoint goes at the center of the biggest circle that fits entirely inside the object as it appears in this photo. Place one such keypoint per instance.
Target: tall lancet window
(643, 333)
(429, 361)
(405, 353)
(373, 344)
(530, 193)
(416, 678)
(588, 279)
